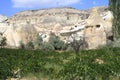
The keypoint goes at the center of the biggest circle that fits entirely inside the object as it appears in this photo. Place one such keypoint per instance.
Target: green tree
(38, 43)
(3, 42)
(114, 6)
(29, 45)
(47, 47)
(56, 42)
(22, 45)
(77, 44)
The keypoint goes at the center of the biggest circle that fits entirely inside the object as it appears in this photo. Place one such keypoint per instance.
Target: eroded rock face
(15, 34)
(24, 26)
(2, 18)
(48, 18)
(94, 29)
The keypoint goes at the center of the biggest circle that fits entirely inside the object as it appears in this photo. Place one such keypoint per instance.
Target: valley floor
(100, 64)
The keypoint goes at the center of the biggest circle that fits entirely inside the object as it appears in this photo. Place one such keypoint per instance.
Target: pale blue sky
(10, 7)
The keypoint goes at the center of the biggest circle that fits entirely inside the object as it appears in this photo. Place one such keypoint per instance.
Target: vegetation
(3, 42)
(77, 44)
(101, 64)
(22, 45)
(56, 42)
(115, 8)
(47, 47)
(38, 43)
(29, 45)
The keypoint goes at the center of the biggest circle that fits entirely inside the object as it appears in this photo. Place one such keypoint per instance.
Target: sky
(10, 7)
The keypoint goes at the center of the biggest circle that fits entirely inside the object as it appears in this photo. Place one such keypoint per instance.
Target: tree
(22, 45)
(3, 42)
(29, 45)
(114, 6)
(38, 43)
(77, 44)
(47, 47)
(56, 42)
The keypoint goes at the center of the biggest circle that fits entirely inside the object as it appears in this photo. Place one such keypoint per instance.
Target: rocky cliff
(23, 26)
(48, 20)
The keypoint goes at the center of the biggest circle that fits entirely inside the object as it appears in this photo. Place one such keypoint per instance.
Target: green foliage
(47, 47)
(22, 45)
(92, 65)
(116, 43)
(38, 43)
(114, 6)
(56, 42)
(77, 44)
(3, 42)
(69, 49)
(29, 45)
(101, 64)
(65, 46)
(29, 61)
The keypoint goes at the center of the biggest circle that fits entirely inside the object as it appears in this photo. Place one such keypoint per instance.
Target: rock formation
(96, 29)
(25, 25)
(94, 32)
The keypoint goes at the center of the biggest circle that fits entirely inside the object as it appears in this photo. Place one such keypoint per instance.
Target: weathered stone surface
(25, 25)
(2, 18)
(94, 30)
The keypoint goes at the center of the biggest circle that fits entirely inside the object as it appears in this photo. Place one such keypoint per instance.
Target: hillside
(53, 17)
(25, 25)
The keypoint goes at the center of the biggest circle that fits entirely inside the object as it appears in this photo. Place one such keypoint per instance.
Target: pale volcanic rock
(48, 17)
(25, 25)
(2, 18)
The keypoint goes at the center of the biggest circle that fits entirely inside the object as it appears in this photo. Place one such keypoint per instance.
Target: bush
(65, 46)
(56, 42)
(77, 44)
(29, 45)
(69, 49)
(38, 43)
(22, 45)
(116, 43)
(3, 42)
(47, 47)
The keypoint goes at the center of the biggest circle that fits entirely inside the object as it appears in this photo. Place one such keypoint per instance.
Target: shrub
(116, 43)
(69, 49)
(56, 42)
(77, 44)
(38, 43)
(47, 47)
(65, 46)
(3, 42)
(98, 64)
(29, 45)
(22, 45)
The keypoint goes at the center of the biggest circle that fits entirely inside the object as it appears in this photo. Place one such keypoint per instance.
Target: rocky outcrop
(3, 18)
(48, 19)
(25, 25)
(15, 34)
(94, 29)
(94, 32)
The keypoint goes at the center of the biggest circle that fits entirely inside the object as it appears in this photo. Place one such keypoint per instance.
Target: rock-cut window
(97, 26)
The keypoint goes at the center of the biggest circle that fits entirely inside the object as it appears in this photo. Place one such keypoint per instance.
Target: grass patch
(100, 64)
